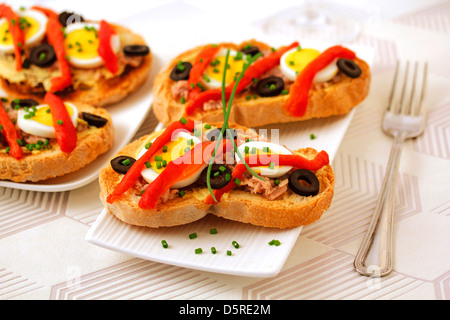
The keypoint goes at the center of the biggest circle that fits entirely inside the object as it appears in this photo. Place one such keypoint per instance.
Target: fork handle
(381, 225)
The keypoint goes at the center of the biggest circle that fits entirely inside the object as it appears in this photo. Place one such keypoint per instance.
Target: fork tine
(424, 87)
(394, 84)
(402, 103)
(410, 106)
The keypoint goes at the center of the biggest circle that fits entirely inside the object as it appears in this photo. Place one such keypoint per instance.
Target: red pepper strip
(16, 32)
(135, 171)
(104, 49)
(293, 160)
(179, 169)
(299, 91)
(66, 133)
(10, 133)
(201, 62)
(55, 37)
(254, 71)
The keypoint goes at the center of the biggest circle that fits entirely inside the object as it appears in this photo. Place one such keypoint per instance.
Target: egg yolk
(171, 151)
(82, 43)
(29, 26)
(216, 67)
(299, 59)
(43, 115)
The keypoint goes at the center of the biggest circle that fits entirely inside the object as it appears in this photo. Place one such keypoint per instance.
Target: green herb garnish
(226, 112)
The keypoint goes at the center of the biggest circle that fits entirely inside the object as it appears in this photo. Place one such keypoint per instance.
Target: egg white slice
(33, 125)
(32, 40)
(323, 75)
(95, 61)
(274, 150)
(149, 174)
(236, 66)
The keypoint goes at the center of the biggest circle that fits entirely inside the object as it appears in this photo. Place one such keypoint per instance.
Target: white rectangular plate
(127, 116)
(254, 257)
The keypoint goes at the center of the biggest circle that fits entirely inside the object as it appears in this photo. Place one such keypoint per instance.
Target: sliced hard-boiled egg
(81, 44)
(213, 75)
(33, 24)
(267, 152)
(295, 60)
(181, 143)
(40, 121)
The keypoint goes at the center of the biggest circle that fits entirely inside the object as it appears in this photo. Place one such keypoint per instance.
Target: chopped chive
(227, 177)
(237, 181)
(216, 174)
(222, 168)
(248, 97)
(207, 126)
(274, 242)
(7, 149)
(277, 182)
(183, 120)
(183, 100)
(312, 136)
(271, 165)
(158, 158)
(235, 244)
(19, 142)
(164, 244)
(213, 231)
(198, 250)
(181, 193)
(193, 235)
(291, 63)
(187, 149)
(147, 146)
(228, 253)
(213, 250)
(164, 163)
(126, 162)
(266, 149)
(284, 92)
(158, 165)
(147, 164)
(164, 148)
(60, 122)
(246, 149)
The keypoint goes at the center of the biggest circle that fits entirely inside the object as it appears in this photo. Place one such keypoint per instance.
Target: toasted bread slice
(336, 97)
(96, 86)
(52, 162)
(286, 211)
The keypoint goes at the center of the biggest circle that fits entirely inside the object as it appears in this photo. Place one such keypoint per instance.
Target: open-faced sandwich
(93, 62)
(43, 141)
(287, 84)
(167, 178)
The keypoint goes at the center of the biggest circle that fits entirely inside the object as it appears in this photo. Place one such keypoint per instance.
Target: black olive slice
(214, 134)
(24, 103)
(122, 164)
(181, 71)
(218, 175)
(349, 68)
(67, 18)
(93, 119)
(307, 176)
(43, 55)
(136, 50)
(270, 87)
(250, 50)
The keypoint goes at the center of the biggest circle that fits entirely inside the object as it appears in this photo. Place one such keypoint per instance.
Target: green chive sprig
(226, 112)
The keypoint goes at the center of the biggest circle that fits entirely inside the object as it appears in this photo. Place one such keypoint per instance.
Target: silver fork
(404, 118)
